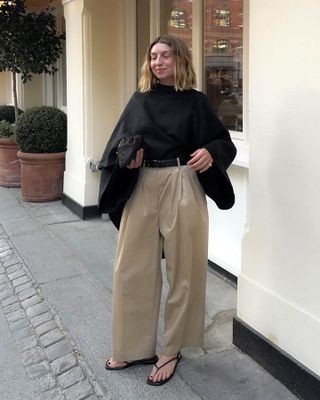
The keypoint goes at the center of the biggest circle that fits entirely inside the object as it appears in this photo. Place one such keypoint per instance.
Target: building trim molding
(197, 40)
(155, 19)
(296, 377)
(84, 212)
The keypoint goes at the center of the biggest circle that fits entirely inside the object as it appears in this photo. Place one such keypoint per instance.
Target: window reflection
(177, 19)
(221, 46)
(223, 59)
(222, 18)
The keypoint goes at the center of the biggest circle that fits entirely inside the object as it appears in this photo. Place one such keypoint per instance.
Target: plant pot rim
(7, 142)
(29, 156)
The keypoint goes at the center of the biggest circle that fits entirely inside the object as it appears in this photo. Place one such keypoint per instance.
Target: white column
(95, 98)
(279, 292)
(74, 178)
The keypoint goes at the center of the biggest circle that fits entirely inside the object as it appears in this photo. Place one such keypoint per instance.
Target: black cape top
(173, 123)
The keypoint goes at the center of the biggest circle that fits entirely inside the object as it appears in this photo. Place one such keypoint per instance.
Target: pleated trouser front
(166, 212)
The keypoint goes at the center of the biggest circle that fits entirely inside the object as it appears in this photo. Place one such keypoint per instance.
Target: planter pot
(41, 176)
(9, 164)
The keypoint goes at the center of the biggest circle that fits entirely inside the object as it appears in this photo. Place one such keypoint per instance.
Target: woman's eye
(163, 56)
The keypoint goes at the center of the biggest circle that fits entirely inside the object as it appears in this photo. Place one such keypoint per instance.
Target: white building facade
(270, 239)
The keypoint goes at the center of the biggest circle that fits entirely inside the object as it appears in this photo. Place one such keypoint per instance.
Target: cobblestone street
(50, 358)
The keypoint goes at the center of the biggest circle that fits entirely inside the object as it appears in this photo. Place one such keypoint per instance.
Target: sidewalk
(55, 318)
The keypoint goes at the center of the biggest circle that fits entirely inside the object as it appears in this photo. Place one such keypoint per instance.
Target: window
(177, 19)
(222, 18)
(55, 86)
(62, 90)
(223, 60)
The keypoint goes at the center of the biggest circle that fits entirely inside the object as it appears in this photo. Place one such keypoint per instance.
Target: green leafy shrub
(7, 130)
(7, 113)
(42, 130)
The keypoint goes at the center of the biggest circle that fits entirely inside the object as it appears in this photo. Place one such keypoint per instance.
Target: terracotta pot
(9, 164)
(41, 176)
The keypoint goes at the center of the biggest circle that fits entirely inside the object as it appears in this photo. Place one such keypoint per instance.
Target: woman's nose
(159, 60)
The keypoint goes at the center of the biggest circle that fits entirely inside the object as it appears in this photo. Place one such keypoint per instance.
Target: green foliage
(7, 130)
(7, 113)
(42, 130)
(29, 42)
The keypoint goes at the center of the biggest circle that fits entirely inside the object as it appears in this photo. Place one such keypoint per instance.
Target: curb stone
(51, 360)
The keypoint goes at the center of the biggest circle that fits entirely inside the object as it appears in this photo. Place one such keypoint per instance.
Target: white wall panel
(281, 255)
(226, 227)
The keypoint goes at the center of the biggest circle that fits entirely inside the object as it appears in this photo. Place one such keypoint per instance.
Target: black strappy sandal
(143, 361)
(159, 383)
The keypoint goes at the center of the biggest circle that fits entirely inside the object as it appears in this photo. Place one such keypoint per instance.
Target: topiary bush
(7, 113)
(7, 130)
(42, 130)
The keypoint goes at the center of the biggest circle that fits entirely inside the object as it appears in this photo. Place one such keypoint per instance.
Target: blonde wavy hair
(184, 75)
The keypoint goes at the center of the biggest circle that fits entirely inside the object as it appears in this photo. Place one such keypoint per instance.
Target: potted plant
(41, 133)
(9, 162)
(29, 42)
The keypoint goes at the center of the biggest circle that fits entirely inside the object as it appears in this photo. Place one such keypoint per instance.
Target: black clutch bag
(127, 149)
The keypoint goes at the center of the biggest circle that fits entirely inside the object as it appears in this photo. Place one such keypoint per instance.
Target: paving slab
(49, 260)
(10, 207)
(231, 375)
(94, 244)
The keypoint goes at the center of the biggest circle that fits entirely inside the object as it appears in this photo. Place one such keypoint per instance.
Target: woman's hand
(201, 160)
(137, 161)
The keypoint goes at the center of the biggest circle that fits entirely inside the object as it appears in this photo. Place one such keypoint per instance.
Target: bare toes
(113, 364)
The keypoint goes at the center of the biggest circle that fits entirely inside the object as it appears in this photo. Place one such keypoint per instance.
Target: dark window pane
(223, 43)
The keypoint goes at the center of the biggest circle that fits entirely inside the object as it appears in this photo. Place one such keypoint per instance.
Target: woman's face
(162, 63)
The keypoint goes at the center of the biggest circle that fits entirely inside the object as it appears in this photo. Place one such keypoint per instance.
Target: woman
(160, 205)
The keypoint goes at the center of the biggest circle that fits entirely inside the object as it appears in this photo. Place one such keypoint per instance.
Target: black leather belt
(174, 162)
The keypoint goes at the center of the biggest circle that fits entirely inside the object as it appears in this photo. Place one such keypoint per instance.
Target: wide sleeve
(127, 125)
(212, 135)
(116, 185)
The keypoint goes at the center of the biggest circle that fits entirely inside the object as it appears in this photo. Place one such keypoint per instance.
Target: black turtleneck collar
(159, 88)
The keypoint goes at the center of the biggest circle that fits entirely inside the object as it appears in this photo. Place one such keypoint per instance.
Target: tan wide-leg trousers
(167, 211)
